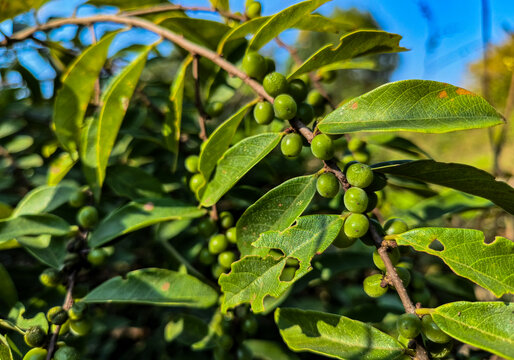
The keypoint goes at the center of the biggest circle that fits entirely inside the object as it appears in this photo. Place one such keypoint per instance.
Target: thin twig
(170, 7)
(96, 93)
(202, 118)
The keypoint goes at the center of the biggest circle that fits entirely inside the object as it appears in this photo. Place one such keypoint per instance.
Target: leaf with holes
(465, 252)
(33, 224)
(253, 278)
(16, 316)
(487, 325)
(44, 199)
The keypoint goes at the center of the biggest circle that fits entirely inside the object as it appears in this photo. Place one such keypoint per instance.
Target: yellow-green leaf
(36, 224)
(10, 8)
(59, 168)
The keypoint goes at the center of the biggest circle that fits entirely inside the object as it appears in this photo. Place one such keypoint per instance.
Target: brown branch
(202, 118)
(96, 93)
(170, 7)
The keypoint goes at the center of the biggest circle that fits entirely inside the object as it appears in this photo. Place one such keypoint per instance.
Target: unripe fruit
(36, 354)
(408, 325)
(35, 336)
(254, 65)
(217, 270)
(66, 353)
(372, 201)
(231, 235)
(356, 144)
(81, 327)
(441, 351)
(372, 286)
(356, 225)
(327, 76)
(270, 64)
(379, 182)
(226, 219)
(298, 90)
(253, 10)
(77, 311)
(195, 182)
(394, 256)
(63, 329)
(322, 147)
(285, 107)
(226, 258)
(250, 325)
(50, 277)
(432, 331)
(291, 145)
(78, 199)
(205, 257)
(87, 217)
(395, 226)
(359, 175)
(57, 315)
(305, 113)
(214, 108)
(355, 200)
(191, 163)
(263, 113)
(217, 243)
(96, 257)
(342, 241)
(327, 185)
(361, 156)
(314, 98)
(226, 341)
(207, 227)
(275, 84)
(404, 275)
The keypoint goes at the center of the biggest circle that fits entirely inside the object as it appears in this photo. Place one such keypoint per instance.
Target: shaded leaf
(127, 4)
(133, 182)
(5, 350)
(204, 32)
(44, 199)
(394, 142)
(268, 350)
(32, 225)
(59, 168)
(186, 329)
(46, 249)
(9, 8)
(16, 316)
(19, 144)
(239, 32)
(9, 293)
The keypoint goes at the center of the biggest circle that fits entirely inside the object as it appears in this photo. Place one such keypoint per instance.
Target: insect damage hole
(436, 245)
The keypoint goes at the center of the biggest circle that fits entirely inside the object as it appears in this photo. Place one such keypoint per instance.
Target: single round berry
(96, 257)
(298, 90)
(263, 113)
(63, 329)
(314, 98)
(305, 113)
(87, 217)
(394, 255)
(253, 10)
(81, 327)
(66, 353)
(322, 147)
(342, 241)
(432, 331)
(291, 145)
(77, 311)
(270, 64)
(361, 156)
(205, 257)
(78, 198)
(207, 227)
(231, 235)
(226, 258)
(379, 182)
(35, 336)
(356, 225)
(404, 275)
(395, 226)
(36, 354)
(217, 270)
(372, 201)
(218, 243)
(214, 108)
(195, 182)
(275, 84)
(373, 286)
(191, 163)
(285, 107)
(287, 273)
(226, 341)
(57, 315)
(359, 175)
(355, 200)
(250, 325)
(254, 65)
(327, 185)
(226, 219)
(356, 144)
(50, 277)
(327, 76)
(408, 325)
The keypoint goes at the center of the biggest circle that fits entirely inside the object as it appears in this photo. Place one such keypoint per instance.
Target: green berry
(356, 144)
(395, 226)
(305, 113)
(57, 315)
(314, 98)
(372, 201)
(35, 336)
(226, 258)
(275, 84)
(77, 311)
(356, 225)
(404, 275)
(359, 175)
(379, 182)
(394, 255)
(226, 341)
(87, 217)
(78, 199)
(250, 325)
(343, 241)
(205, 257)
(63, 329)
(254, 65)
(195, 182)
(361, 156)
(218, 243)
(36, 354)
(287, 273)
(355, 200)
(322, 147)
(191, 163)
(231, 235)
(408, 325)
(50, 277)
(270, 64)
(285, 107)
(253, 10)
(327, 76)
(291, 145)
(207, 227)
(96, 257)
(214, 109)
(81, 327)
(432, 331)
(217, 270)
(372, 286)
(327, 185)
(298, 90)
(244, 353)
(226, 219)
(66, 353)
(440, 351)
(263, 113)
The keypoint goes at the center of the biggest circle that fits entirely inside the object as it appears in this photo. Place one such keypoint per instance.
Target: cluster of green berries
(62, 353)
(87, 216)
(191, 164)
(356, 151)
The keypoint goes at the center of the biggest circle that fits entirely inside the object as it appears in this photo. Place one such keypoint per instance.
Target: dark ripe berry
(298, 90)
(327, 185)
(356, 200)
(66, 353)
(231, 235)
(372, 286)
(97, 257)
(218, 243)
(226, 219)
(359, 175)
(36, 354)
(50, 277)
(291, 145)
(207, 227)
(87, 217)
(432, 331)
(35, 336)
(191, 163)
(342, 241)
(314, 98)
(322, 147)
(285, 107)
(250, 325)
(408, 325)
(275, 84)
(327, 76)
(356, 144)
(404, 275)
(270, 64)
(80, 327)
(57, 315)
(253, 10)
(226, 258)
(78, 199)
(196, 182)
(205, 257)
(305, 113)
(395, 226)
(263, 113)
(287, 273)
(214, 109)
(254, 65)
(379, 182)
(394, 255)
(356, 225)
(77, 311)
(372, 201)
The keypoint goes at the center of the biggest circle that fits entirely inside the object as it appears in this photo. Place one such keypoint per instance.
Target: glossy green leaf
(16, 316)
(9, 8)
(412, 105)
(46, 249)
(101, 132)
(253, 278)
(320, 23)
(32, 225)
(276, 210)
(44, 199)
(155, 287)
(78, 83)
(466, 253)
(133, 182)
(9, 294)
(363, 63)
(281, 21)
(456, 176)
(241, 31)
(19, 144)
(394, 142)
(5, 350)
(268, 350)
(355, 44)
(59, 168)
(127, 4)
(214, 331)
(487, 325)
(139, 214)
(236, 162)
(335, 336)
(185, 329)
(203, 32)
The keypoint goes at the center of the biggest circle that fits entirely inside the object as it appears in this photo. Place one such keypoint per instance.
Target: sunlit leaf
(59, 168)
(16, 316)
(44, 199)
(39, 224)
(133, 182)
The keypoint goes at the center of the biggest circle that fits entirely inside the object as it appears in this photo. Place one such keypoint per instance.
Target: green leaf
(19, 144)
(101, 132)
(139, 214)
(236, 162)
(78, 83)
(320, 23)
(32, 225)
(456, 176)
(11, 127)
(487, 325)
(214, 331)
(30, 161)
(281, 21)
(133, 182)
(335, 336)
(9, 8)
(253, 278)
(204, 32)
(394, 142)
(239, 32)
(44, 199)
(465, 252)
(268, 350)
(412, 105)
(127, 4)
(355, 44)
(155, 287)
(185, 329)
(16, 316)
(46, 249)
(9, 294)
(5, 350)
(220, 4)
(59, 168)
(276, 210)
